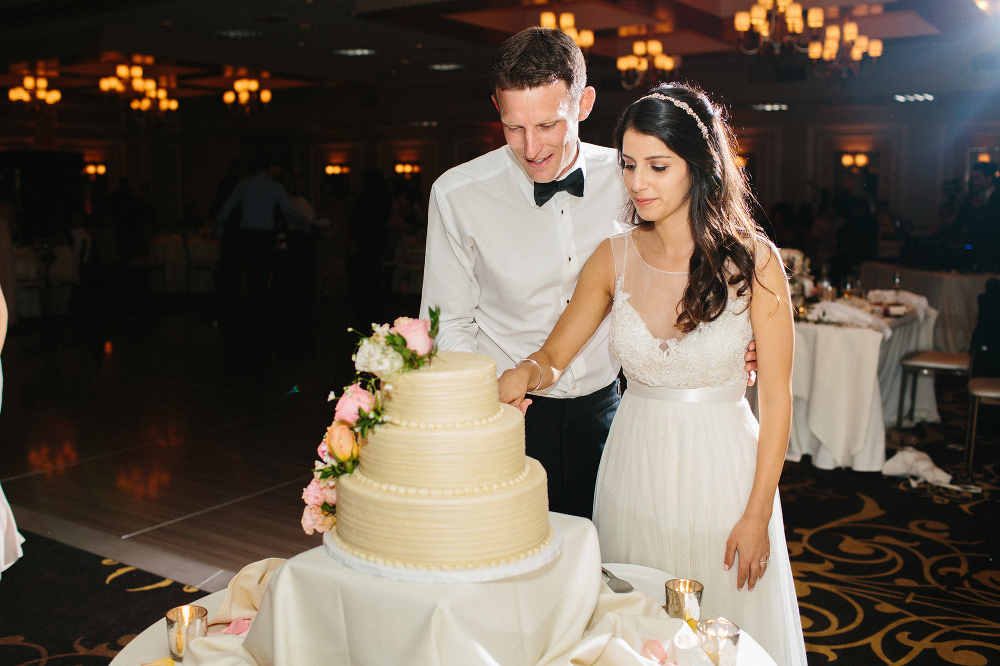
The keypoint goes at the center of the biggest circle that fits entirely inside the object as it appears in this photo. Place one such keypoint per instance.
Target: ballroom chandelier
(249, 92)
(647, 64)
(566, 22)
(36, 89)
(136, 85)
(831, 41)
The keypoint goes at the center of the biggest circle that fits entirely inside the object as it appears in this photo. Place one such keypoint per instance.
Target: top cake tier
(457, 389)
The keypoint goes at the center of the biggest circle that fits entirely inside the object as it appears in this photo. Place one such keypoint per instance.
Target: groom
(508, 234)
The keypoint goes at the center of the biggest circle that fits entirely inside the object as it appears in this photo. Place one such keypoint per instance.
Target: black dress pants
(567, 436)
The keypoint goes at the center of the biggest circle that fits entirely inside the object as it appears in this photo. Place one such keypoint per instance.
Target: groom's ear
(587, 98)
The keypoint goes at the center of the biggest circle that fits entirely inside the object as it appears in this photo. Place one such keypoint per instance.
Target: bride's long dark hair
(724, 230)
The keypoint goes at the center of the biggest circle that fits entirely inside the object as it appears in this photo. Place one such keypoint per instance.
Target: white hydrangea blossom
(378, 358)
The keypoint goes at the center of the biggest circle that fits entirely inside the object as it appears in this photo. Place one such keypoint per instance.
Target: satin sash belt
(715, 394)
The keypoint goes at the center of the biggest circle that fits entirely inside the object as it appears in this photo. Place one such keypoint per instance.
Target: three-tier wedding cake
(444, 484)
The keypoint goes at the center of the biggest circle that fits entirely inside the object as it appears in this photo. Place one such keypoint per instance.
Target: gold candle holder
(684, 598)
(184, 624)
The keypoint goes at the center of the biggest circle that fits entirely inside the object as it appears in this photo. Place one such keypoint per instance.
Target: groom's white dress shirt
(502, 269)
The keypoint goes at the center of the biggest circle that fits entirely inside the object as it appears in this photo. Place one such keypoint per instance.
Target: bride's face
(657, 178)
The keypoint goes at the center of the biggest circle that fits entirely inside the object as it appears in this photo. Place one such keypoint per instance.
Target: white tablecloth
(316, 611)
(954, 295)
(845, 386)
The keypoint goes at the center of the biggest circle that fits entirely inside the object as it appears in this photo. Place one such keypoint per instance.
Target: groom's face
(542, 126)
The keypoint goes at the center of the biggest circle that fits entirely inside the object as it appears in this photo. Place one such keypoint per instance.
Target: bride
(688, 480)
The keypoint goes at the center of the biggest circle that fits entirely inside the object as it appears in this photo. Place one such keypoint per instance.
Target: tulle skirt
(674, 479)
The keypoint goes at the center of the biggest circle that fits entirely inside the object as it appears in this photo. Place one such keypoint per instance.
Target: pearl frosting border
(471, 572)
(360, 477)
(443, 425)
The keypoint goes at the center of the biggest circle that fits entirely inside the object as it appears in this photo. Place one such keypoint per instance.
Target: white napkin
(908, 298)
(842, 313)
(918, 466)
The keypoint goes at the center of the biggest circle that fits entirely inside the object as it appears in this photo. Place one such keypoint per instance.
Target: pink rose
(340, 441)
(330, 493)
(323, 452)
(355, 399)
(416, 332)
(313, 493)
(314, 520)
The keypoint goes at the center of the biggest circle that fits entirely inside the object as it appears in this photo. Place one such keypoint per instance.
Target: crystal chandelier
(832, 42)
(646, 64)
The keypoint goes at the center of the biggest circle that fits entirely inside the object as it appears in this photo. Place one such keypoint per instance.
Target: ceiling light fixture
(769, 107)
(136, 83)
(646, 64)
(354, 53)
(237, 33)
(36, 90)
(566, 22)
(446, 66)
(248, 91)
(781, 25)
(925, 97)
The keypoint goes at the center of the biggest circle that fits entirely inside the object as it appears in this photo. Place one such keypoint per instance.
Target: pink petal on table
(237, 627)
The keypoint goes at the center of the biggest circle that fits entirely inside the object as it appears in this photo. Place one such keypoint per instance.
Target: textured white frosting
(445, 485)
(456, 389)
(455, 531)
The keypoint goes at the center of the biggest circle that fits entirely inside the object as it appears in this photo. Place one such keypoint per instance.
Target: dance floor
(161, 444)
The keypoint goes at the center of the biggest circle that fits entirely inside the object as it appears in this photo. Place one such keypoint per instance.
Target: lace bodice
(710, 355)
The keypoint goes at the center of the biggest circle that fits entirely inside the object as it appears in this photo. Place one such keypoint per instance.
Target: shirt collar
(525, 182)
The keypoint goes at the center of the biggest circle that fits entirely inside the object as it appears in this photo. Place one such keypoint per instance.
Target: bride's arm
(590, 304)
(774, 330)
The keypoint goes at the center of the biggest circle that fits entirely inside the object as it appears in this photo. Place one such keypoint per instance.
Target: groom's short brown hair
(538, 57)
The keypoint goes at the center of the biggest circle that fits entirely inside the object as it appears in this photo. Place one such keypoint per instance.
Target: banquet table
(317, 611)
(845, 387)
(954, 295)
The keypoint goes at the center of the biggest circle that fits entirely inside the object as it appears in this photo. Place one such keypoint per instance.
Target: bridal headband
(683, 106)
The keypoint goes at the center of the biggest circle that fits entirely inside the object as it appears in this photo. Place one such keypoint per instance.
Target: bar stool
(927, 363)
(982, 390)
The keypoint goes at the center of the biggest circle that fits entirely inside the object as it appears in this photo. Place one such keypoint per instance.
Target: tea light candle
(185, 623)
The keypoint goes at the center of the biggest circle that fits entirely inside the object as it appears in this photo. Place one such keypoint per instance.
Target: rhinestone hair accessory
(684, 106)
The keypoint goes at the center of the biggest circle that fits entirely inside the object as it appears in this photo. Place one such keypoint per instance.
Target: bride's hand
(750, 546)
(513, 385)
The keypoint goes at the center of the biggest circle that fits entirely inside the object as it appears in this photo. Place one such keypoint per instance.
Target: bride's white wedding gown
(679, 462)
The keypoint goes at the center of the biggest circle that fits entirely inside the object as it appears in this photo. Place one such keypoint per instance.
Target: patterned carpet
(61, 606)
(888, 572)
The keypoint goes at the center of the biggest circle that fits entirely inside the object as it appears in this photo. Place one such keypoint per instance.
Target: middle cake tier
(447, 458)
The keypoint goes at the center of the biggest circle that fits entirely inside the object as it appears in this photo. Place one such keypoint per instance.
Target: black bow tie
(572, 183)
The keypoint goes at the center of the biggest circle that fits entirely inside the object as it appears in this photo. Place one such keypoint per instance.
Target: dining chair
(982, 391)
(927, 363)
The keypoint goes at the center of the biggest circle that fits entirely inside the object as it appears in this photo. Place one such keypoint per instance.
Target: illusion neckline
(647, 264)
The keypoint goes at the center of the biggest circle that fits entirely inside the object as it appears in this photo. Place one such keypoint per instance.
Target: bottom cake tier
(440, 529)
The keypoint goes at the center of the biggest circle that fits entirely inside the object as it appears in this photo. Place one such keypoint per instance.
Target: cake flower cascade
(406, 345)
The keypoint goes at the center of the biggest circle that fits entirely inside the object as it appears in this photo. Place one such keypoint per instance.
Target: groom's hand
(751, 362)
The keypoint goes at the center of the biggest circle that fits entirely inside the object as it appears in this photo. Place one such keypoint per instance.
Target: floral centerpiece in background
(406, 345)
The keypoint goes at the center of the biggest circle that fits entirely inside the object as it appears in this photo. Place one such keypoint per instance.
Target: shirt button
(574, 387)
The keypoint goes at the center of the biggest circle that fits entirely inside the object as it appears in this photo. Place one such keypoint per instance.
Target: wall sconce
(95, 170)
(407, 169)
(858, 160)
(336, 169)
